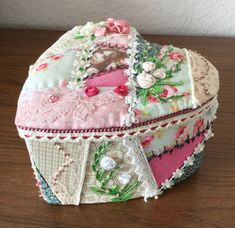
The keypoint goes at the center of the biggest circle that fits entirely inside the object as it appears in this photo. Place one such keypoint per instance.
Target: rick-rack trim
(114, 133)
(178, 173)
(139, 160)
(58, 187)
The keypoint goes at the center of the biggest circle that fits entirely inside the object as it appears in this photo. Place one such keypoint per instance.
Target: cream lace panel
(205, 75)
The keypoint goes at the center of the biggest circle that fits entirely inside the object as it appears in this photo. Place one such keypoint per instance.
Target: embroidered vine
(191, 164)
(179, 145)
(105, 169)
(154, 75)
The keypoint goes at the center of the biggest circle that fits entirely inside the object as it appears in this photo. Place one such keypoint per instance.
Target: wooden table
(207, 199)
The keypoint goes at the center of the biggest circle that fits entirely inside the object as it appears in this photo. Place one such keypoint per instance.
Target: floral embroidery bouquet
(108, 116)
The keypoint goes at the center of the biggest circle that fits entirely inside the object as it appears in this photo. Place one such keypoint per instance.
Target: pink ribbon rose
(117, 26)
(122, 90)
(91, 91)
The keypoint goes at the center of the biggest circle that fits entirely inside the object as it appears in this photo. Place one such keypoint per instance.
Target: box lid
(104, 76)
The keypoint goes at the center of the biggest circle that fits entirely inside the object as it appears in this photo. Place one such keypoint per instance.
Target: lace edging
(142, 169)
(168, 183)
(131, 99)
(69, 135)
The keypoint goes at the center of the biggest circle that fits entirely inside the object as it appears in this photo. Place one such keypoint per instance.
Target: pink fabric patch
(110, 79)
(71, 110)
(163, 168)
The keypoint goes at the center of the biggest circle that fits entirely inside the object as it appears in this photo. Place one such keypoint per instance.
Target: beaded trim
(112, 133)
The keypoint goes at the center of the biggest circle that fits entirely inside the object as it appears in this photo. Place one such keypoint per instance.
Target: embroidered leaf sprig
(117, 193)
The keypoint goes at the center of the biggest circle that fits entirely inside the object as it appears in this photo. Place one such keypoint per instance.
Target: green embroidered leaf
(130, 187)
(98, 191)
(79, 37)
(81, 69)
(126, 197)
(93, 37)
(94, 167)
(151, 59)
(167, 82)
(114, 190)
(162, 99)
(116, 200)
(175, 97)
(156, 89)
(100, 174)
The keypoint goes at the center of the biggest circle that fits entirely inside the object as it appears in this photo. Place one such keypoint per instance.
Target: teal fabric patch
(47, 194)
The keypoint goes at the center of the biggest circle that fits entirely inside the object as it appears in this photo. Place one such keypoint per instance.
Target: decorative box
(108, 116)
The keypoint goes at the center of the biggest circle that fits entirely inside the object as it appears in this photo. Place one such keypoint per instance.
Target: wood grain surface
(206, 199)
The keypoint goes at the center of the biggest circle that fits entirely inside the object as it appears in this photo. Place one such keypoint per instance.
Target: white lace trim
(99, 136)
(131, 98)
(194, 98)
(139, 160)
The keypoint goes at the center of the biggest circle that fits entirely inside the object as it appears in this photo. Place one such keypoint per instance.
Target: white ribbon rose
(145, 80)
(107, 163)
(124, 178)
(159, 73)
(148, 66)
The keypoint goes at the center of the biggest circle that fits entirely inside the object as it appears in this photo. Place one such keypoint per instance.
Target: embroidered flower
(137, 112)
(198, 126)
(53, 98)
(42, 67)
(167, 184)
(107, 163)
(124, 178)
(168, 91)
(147, 140)
(176, 56)
(189, 161)
(186, 94)
(117, 26)
(121, 90)
(152, 99)
(159, 73)
(178, 173)
(170, 148)
(100, 31)
(148, 66)
(145, 80)
(181, 134)
(63, 83)
(181, 131)
(164, 93)
(57, 56)
(91, 91)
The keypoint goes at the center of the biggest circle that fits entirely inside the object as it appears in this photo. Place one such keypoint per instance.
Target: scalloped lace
(142, 169)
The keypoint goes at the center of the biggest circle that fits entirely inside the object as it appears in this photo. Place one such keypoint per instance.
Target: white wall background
(186, 17)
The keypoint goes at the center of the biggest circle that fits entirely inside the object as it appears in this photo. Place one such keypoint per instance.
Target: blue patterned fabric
(47, 194)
